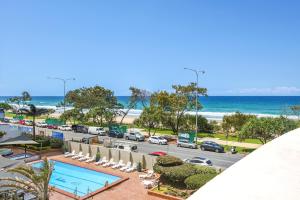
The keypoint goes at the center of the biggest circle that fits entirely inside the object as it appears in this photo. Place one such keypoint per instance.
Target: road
(220, 160)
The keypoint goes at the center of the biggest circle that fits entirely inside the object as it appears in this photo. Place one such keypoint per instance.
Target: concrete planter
(163, 196)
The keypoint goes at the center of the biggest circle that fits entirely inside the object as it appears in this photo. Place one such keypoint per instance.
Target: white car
(65, 128)
(157, 140)
(96, 131)
(41, 124)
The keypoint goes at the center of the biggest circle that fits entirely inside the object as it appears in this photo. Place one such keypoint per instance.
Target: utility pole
(64, 80)
(197, 72)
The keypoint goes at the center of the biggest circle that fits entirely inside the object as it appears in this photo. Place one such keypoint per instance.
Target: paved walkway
(130, 189)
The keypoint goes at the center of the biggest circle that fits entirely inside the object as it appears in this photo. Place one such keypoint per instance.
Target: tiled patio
(131, 189)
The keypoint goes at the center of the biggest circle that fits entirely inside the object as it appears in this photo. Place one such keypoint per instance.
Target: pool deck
(130, 187)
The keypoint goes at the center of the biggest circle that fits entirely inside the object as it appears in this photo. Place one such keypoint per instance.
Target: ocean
(214, 107)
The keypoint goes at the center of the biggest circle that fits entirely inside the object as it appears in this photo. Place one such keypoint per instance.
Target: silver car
(134, 136)
(199, 161)
(187, 144)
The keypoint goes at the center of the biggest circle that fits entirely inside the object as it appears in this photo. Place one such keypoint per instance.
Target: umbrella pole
(25, 150)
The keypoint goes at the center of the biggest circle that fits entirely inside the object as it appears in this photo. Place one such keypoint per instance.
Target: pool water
(20, 156)
(77, 180)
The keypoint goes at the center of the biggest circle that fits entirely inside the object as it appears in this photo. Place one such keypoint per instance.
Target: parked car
(50, 126)
(6, 120)
(126, 146)
(65, 128)
(157, 140)
(137, 136)
(211, 146)
(14, 121)
(117, 134)
(28, 122)
(96, 131)
(22, 122)
(199, 161)
(158, 153)
(79, 129)
(186, 143)
(167, 137)
(41, 124)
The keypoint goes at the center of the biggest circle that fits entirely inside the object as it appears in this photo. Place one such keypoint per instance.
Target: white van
(96, 130)
(125, 146)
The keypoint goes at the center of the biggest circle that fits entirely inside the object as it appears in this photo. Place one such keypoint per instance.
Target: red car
(52, 126)
(22, 122)
(158, 153)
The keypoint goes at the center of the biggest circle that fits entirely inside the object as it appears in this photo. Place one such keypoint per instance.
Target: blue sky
(248, 47)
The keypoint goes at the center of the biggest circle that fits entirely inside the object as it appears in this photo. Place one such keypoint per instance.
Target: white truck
(96, 131)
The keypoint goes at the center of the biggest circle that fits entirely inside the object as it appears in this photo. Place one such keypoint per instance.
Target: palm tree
(33, 112)
(33, 182)
(25, 97)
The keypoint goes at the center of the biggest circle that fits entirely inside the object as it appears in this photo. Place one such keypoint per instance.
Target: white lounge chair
(149, 174)
(149, 183)
(92, 159)
(85, 157)
(68, 154)
(131, 169)
(77, 156)
(101, 161)
(110, 163)
(128, 165)
(118, 165)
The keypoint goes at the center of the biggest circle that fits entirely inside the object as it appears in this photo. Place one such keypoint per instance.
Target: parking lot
(220, 160)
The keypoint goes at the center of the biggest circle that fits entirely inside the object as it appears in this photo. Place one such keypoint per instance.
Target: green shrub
(37, 148)
(139, 167)
(176, 174)
(98, 155)
(2, 133)
(204, 170)
(43, 142)
(56, 143)
(168, 161)
(198, 180)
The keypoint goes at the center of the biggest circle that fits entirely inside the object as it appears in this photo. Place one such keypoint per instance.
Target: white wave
(216, 116)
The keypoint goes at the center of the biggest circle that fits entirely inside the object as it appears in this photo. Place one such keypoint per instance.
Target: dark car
(6, 120)
(116, 134)
(79, 129)
(211, 146)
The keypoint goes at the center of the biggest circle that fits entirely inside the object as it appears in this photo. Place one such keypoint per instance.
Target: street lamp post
(64, 80)
(197, 80)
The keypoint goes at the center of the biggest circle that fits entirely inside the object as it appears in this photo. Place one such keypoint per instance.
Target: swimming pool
(77, 180)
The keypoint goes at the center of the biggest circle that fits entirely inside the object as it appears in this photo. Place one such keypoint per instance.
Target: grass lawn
(211, 135)
(230, 138)
(11, 115)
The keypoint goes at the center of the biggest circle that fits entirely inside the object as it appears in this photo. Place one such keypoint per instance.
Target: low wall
(147, 161)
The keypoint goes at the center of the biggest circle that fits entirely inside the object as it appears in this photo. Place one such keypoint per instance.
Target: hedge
(168, 161)
(177, 173)
(56, 143)
(204, 170)
(198, 180)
